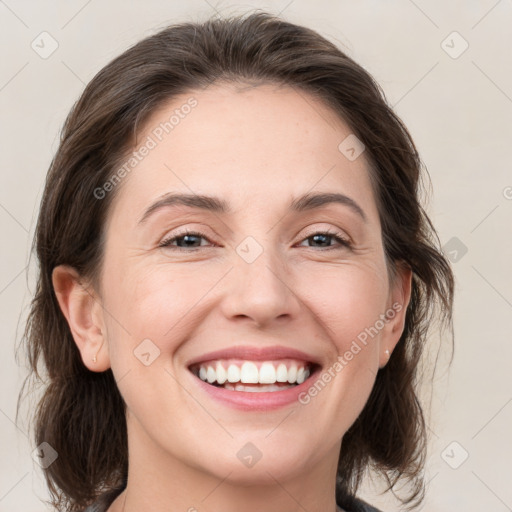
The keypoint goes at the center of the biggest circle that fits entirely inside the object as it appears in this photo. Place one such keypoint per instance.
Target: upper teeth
(248, 372)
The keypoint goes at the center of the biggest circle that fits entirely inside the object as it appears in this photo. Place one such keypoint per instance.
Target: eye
(323, 237)
(190, 239)
(184, 240)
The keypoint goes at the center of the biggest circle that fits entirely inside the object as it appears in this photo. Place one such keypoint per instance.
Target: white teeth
(221, 373)
(281, 373)
(257, 389)
(292, 373)
(210, 375)
(269, 373)
(302, 375)
(249, 373)
(233, 373)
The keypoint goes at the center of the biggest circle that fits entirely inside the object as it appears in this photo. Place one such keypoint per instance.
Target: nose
(260, 292)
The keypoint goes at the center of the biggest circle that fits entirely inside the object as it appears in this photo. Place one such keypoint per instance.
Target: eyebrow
(214, 204)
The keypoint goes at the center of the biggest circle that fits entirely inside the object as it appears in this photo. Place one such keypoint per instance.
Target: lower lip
(257, 401)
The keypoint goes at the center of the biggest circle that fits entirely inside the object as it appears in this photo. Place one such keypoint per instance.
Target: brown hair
(81, 413)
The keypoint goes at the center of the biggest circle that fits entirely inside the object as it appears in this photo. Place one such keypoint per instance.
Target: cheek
(347, 300)
(157, 302)
(147, 321)
(348, 305)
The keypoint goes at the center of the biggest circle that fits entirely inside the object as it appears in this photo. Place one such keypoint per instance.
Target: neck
(160, 482)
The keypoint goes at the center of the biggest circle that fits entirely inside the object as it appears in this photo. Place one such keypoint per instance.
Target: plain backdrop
(445, 67)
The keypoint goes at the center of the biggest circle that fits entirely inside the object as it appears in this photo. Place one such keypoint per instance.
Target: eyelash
(344, 243)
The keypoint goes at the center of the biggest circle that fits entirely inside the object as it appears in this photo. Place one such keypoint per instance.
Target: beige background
(459, 111)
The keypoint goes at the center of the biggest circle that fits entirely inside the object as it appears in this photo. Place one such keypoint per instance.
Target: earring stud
(94, 358)
(387, 352)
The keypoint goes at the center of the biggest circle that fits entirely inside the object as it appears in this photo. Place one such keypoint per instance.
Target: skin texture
(257, 148)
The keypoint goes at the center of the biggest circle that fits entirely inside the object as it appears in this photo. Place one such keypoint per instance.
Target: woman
(203, 352)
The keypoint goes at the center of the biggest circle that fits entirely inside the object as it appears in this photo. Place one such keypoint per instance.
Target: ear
(398, 300)
(84, 313)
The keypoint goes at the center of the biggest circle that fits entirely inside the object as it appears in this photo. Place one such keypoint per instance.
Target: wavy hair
(81, 413)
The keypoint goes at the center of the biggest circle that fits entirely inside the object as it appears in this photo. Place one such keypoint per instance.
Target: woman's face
(261, 283)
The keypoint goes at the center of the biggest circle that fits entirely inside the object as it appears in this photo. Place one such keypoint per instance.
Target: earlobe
(83, 312)
(399, 297)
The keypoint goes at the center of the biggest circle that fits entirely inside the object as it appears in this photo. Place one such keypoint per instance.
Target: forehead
(245, 143)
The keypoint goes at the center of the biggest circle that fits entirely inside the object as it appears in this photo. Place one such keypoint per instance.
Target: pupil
(315, 237)
(187, 238)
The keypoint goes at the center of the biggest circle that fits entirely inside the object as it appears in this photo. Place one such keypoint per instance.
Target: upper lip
(255, 354)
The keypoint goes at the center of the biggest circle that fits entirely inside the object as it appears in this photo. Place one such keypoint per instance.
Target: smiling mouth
(253, 376)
